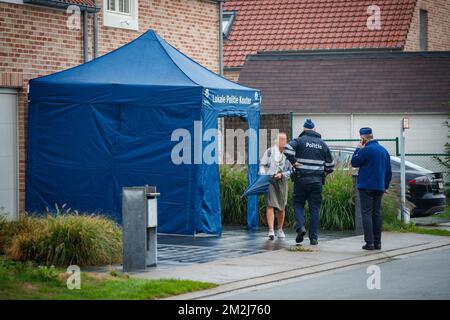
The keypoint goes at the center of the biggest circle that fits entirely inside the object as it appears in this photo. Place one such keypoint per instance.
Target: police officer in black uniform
(312, 162)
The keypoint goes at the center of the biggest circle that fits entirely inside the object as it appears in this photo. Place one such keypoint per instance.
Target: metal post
(95, 36)
(85, 37)
(403, 210)
(221, 121)
(397, 149)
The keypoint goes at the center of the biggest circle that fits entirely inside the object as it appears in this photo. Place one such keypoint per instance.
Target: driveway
(234, 242)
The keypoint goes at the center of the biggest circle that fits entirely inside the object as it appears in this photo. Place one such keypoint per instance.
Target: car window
(342, 158)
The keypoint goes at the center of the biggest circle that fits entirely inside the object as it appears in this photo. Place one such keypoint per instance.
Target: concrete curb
(299, 272)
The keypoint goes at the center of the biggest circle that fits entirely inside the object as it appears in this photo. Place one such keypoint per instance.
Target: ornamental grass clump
(338, 205)
(62, 240)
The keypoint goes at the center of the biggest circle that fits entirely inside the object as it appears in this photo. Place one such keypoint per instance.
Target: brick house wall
(269, 122)
(438, 26)
(232, 75)
(35, 41)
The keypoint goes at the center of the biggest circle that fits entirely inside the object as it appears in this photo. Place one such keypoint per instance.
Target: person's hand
(386, 191)
(297, 165)
(278, 176)
(362, 143)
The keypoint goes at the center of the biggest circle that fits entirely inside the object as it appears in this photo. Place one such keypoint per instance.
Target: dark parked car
(424, 188)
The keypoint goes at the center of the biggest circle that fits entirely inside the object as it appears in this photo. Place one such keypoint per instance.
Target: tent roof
(147, 60)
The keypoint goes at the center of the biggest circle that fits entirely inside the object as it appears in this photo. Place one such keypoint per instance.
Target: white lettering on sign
(229, 99)
(313, 145)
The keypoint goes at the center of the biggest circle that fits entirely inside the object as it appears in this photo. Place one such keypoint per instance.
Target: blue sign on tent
(109, 123)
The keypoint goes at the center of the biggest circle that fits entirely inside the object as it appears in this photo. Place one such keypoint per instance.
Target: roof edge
(61, 5)
(344, 54)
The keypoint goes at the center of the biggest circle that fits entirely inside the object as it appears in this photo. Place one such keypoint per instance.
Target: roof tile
(87, 3)
(311, 24)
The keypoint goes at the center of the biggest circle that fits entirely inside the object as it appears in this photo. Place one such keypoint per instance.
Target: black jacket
(313, 154)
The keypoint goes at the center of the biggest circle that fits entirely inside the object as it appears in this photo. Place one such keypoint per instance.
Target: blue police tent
(120, 120)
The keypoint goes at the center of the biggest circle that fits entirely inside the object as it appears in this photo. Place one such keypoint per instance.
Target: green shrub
(45, 273)
(233, 181)
(337, 211)
(390, 208)
(338, 207)
(63, 240)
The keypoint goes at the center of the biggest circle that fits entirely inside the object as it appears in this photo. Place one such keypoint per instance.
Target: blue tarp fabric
(108, 123)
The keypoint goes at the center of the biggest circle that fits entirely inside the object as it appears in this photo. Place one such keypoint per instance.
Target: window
(119, 6)
(423, 30)
(13, 1)
(227, 21)
(121, 14)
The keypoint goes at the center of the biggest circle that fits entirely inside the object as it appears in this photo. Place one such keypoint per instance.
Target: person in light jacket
(374, 177)
(274, 163)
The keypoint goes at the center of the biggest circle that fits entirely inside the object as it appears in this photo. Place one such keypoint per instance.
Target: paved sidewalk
(257, 269)
(176, 250)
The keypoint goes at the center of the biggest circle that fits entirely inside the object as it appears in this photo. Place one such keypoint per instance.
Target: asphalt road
(421, 276)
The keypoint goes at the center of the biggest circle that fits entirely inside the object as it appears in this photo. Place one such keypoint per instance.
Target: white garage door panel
(329, 126)
(426, 134)
(8, 151)
(6, 140)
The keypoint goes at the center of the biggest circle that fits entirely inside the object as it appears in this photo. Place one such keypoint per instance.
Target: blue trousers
(371, 215)
(311, 192)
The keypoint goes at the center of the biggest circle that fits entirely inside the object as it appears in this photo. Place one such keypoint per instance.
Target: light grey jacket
(273, 162)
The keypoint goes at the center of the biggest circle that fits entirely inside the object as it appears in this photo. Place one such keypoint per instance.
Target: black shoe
(313, 242)
(377, 246)
(300, 235)
(368, 247)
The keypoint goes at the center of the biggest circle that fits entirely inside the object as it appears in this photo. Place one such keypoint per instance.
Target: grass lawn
(299, 249)
(446, 213)
(414, 229)
(26, 281)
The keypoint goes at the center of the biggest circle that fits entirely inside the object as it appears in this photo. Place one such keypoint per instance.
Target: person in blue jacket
(374, 177)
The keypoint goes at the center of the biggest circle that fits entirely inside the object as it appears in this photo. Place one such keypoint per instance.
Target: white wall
(427, 134)
(8, 152)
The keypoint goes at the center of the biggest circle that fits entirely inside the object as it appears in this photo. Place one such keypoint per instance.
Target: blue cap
(308, 124)
(364, 131)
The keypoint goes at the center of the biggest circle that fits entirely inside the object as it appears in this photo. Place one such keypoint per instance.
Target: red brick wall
(35, 41)
(232, 75)
(438, 26)
(280, 122)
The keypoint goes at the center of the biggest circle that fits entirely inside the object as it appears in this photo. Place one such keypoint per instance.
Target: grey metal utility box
(140, 223)
(359, 230)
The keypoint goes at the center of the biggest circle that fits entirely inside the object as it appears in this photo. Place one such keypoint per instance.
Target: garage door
(8, 151)
(329, 126)
(426, 134)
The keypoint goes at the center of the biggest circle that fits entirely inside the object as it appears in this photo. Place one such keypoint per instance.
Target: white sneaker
(281, 234)
(271, 235)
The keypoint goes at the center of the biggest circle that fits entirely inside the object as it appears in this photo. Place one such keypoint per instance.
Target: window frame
(122, 20)
(12, 1)
(232, 15)
(116, 4)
